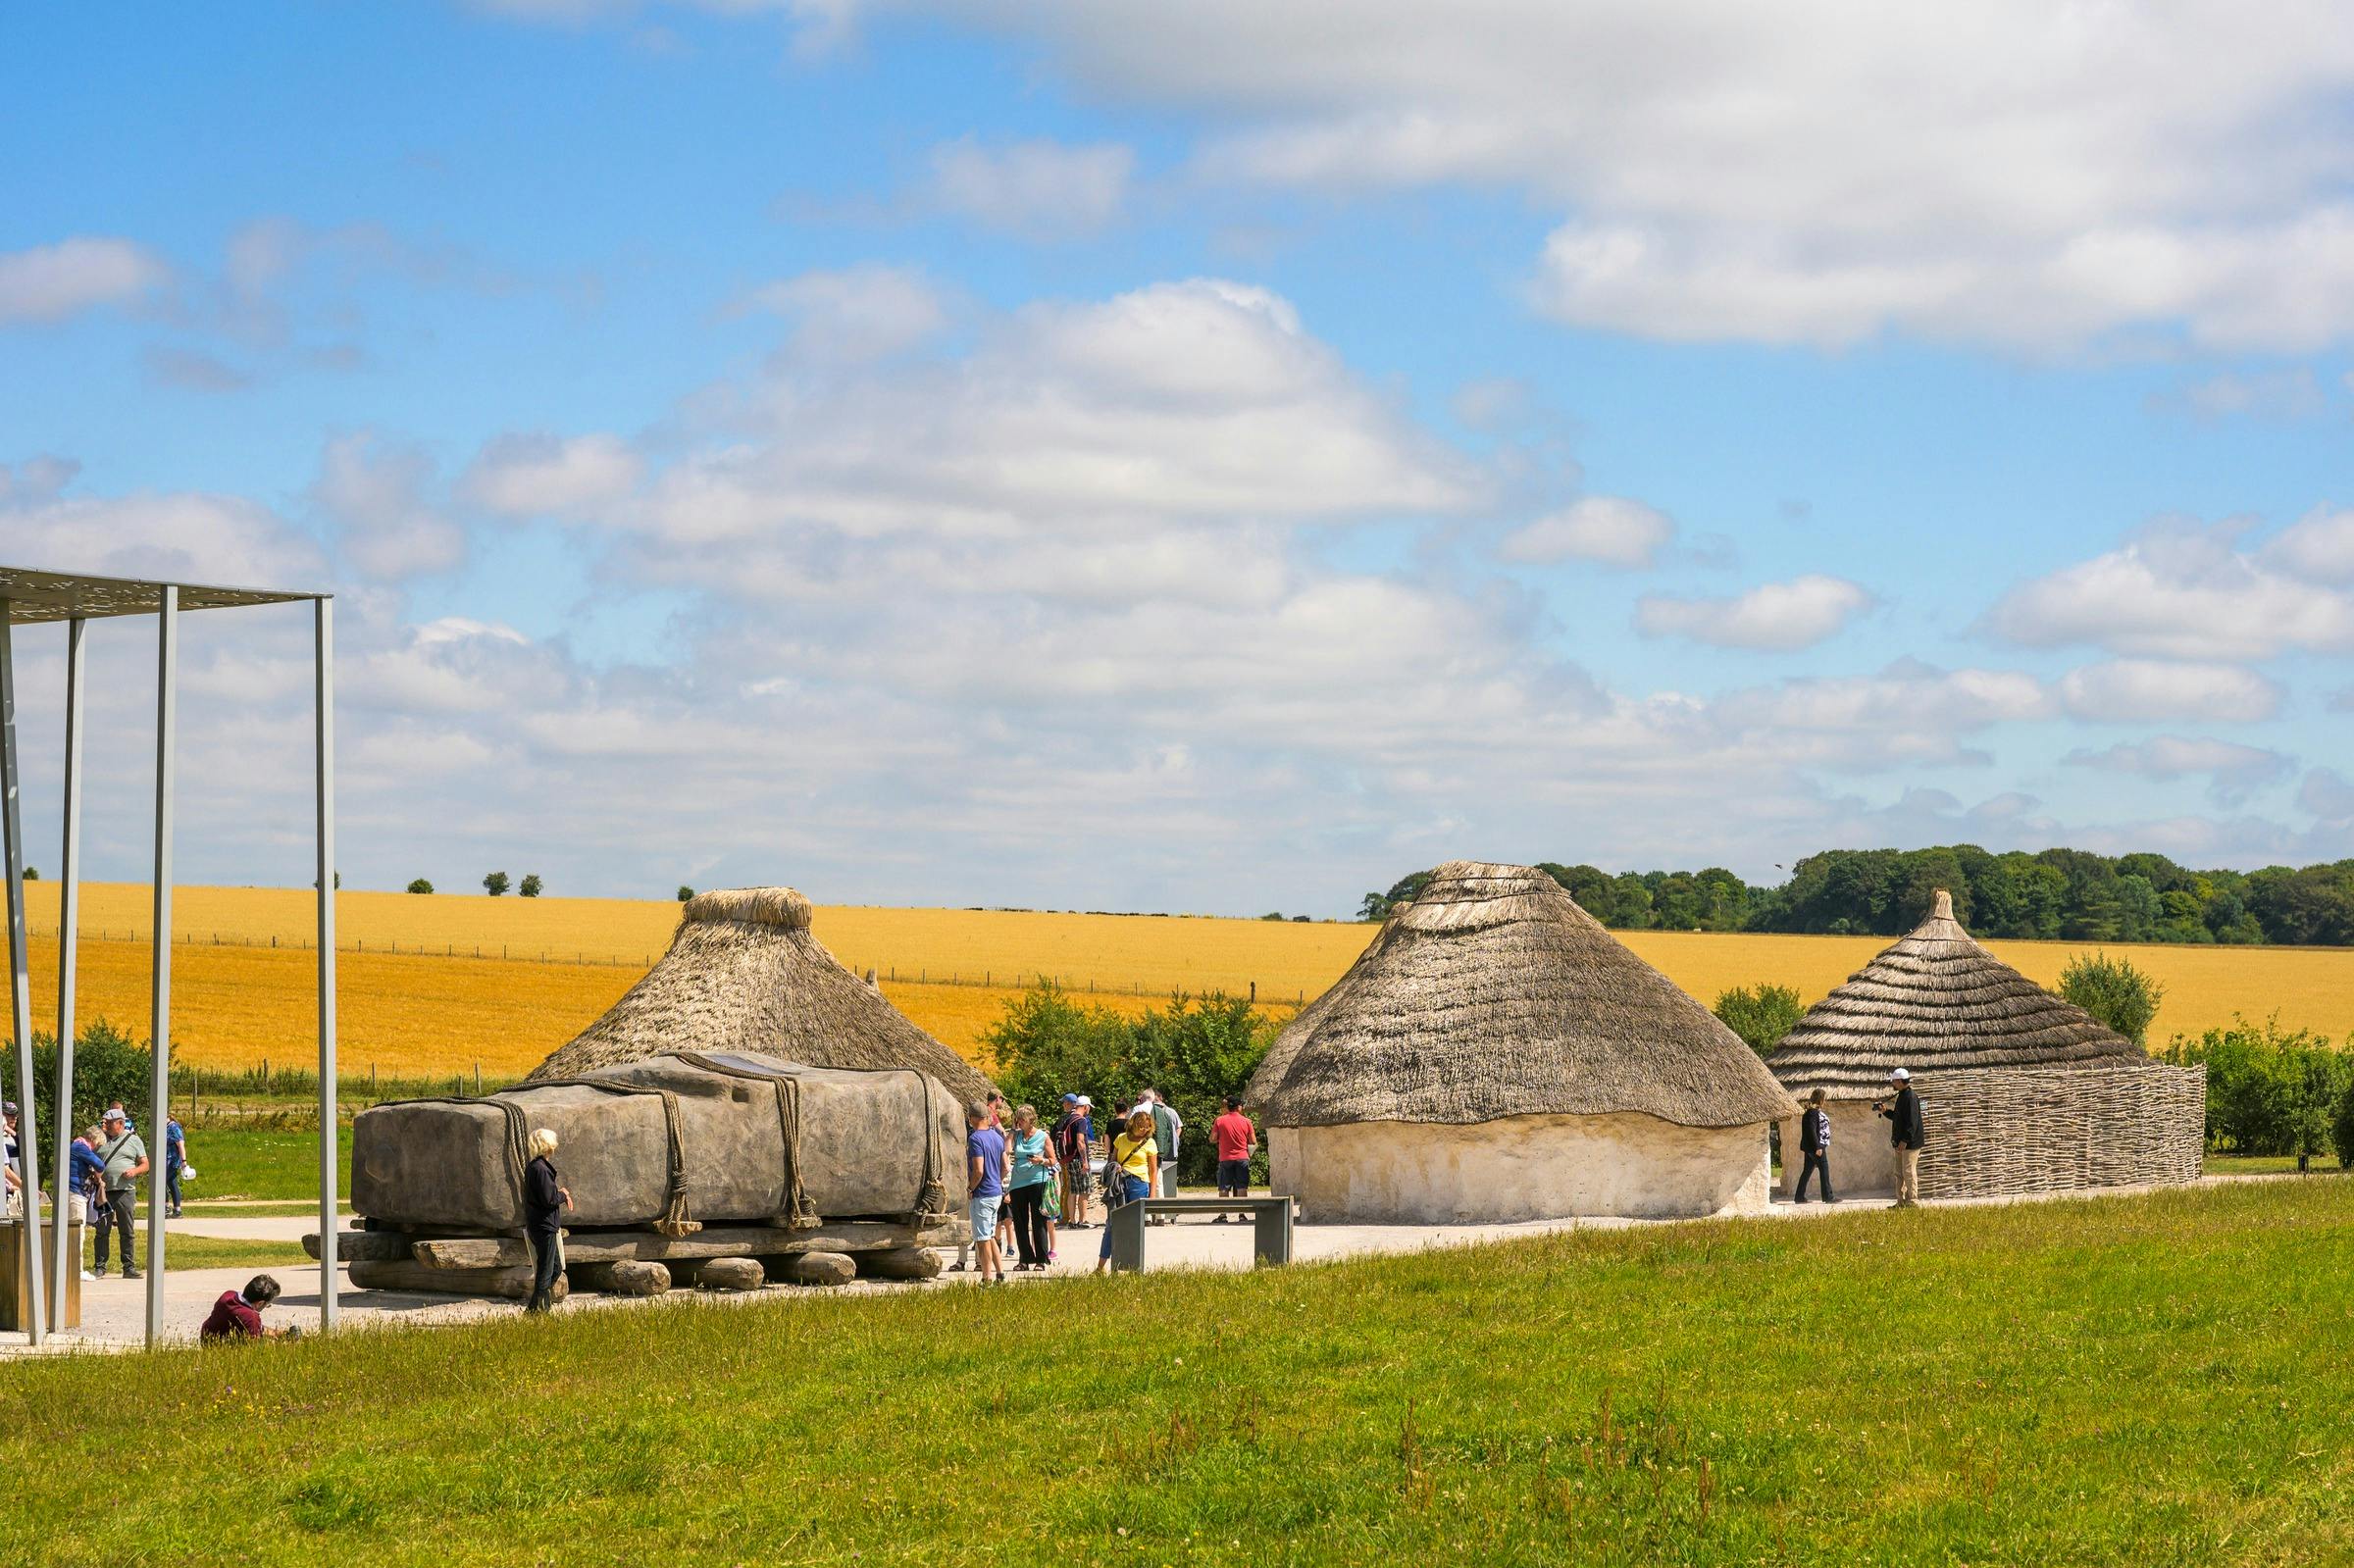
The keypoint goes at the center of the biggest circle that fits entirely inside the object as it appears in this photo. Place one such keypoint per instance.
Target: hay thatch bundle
(1493, 995)
(1934, 1001)
(744, 973)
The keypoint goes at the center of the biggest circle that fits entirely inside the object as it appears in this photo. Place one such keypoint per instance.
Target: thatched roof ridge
(745, 973)
(1936, 1000)
(1494, 994)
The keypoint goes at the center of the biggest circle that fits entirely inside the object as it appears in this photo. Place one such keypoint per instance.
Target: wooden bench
(1270, 1227)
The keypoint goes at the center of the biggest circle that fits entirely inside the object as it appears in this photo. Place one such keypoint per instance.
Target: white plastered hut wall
(1518, 1168)
(1863, 1160)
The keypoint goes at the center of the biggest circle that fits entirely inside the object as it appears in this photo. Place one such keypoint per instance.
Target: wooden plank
(473, 1252)
(515, 1284)
(748, 1240)
(356, 1247)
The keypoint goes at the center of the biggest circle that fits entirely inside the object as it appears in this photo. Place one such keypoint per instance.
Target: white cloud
(2319, 545)
(2232, 770)
(2187, 592)
(1781, 617)
(375, 493)
(2292, 393)
(859, 312)
(1038, 187)
(543, 475)
(1609, 529)
(2016, 171)
(50, 282)
(2147, 691)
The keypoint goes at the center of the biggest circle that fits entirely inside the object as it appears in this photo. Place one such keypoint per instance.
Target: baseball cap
(1902, 1076)
(1084, 1101)
(1070, 1099)
(8, 1107)
(113, 1113)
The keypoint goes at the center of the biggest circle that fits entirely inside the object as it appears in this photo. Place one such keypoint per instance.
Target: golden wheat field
(414, 999)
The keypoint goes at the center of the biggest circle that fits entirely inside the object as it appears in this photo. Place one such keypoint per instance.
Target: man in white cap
(1904, 1136)
(125, 1161)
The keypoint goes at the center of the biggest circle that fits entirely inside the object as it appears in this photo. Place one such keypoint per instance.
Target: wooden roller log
(473, 1253)
(898, 1263)
(818, 1267)
(513, 1284)
(628, 1278)
(731, 1274)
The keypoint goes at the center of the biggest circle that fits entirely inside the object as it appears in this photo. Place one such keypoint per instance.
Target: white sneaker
(87, 1275)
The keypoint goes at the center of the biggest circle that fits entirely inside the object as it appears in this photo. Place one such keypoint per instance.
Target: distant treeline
(2058, 893)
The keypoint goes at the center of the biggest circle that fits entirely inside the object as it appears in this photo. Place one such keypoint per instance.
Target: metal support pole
(324, 738)
(167, 650)
(12, 829)
(69, 942)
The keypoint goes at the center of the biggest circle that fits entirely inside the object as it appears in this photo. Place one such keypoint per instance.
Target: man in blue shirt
(985, 1182)
(175, 1155)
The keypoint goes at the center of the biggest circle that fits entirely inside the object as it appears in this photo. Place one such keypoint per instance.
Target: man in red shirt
(1236, 1137)
(237, 1315)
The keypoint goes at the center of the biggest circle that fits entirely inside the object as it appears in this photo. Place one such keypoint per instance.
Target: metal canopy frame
(28, 598)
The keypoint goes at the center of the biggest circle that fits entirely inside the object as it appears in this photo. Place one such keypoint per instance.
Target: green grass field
(2153, 1379)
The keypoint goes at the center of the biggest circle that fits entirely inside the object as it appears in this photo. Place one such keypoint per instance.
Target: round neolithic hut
(1496, 1056)
(744, 973)
(2020, 1092)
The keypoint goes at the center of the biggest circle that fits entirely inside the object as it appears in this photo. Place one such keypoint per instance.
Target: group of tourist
(1902, 1110)
(1025, 1184)
(105, 1165)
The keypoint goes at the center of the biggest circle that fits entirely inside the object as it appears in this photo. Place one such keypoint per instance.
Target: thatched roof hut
(1935, 1002)
(1495, 1055)
(744, 973)
(1494, 994)
(2021, 1091)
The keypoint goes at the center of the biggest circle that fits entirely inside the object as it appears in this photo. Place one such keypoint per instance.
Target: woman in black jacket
(1815, 1142)
(543, 1199)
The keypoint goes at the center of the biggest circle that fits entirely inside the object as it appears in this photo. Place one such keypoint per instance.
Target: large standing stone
(898, 1263)
(731, 1274)
(820, 1268)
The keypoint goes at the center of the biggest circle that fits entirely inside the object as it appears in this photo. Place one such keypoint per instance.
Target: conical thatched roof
(1493, 995)
(1936, 1000)
(746, 974)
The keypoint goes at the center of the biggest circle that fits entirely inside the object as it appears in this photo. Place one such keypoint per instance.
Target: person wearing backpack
(1074, 1143)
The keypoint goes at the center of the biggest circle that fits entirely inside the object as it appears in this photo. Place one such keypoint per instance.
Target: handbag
(1051, 1204)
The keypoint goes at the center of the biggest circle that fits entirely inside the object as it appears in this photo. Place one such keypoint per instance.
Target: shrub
(530, 887)
(421, 885)
(108, 1065)
(684, 892)
(2114, 991)
(2269, 1091)
(1761, 1015)
(1194, 1052)
(495, 884)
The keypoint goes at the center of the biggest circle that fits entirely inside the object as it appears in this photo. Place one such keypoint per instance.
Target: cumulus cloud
(2018, 173)
(375, 493)
(858, 313)
(1781, 617)
(2144, 690)
(2232, 770)
(551, 475)
(2183, 591)
(1038, 187)
(1609, 529)
(51, 282)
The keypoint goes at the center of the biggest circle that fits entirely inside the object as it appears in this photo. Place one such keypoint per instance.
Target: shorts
(1083, 1181)
(1234, 1175)
(985, 1217)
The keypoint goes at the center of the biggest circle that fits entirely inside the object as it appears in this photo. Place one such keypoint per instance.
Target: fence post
(477, 1080)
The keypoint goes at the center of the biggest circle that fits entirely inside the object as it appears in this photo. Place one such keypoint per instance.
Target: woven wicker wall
(1997, 1131)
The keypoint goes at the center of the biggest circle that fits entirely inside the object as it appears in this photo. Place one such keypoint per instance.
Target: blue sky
(1212, 458)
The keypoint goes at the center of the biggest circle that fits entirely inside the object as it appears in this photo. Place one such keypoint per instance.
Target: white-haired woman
(543, 1199)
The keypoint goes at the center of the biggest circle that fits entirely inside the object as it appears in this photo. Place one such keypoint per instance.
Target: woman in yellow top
(1135, 1168)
